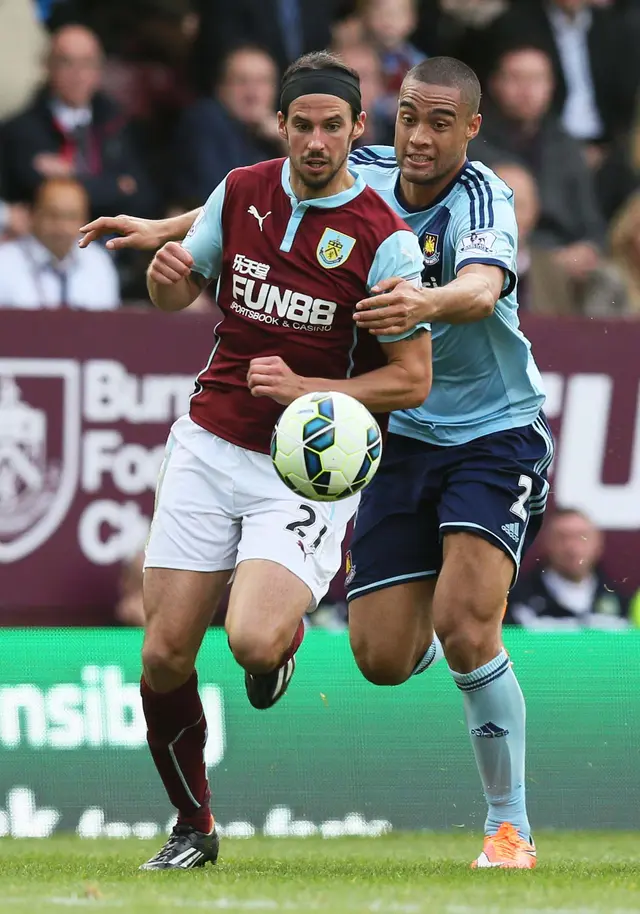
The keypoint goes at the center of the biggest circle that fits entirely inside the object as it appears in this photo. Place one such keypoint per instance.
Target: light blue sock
(433, 654)
(496, 716)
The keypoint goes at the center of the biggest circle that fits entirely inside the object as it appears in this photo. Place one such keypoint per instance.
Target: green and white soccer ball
(326, 446)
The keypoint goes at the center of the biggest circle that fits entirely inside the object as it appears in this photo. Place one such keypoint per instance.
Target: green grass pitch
(580, 873)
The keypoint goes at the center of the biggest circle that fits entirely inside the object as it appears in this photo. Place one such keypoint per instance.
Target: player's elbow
(486, 305)
(416, 397)
(417, 387)
(158, 298)
(485, 300)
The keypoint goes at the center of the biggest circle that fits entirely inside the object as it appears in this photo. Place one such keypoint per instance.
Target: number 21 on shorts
(309, 520)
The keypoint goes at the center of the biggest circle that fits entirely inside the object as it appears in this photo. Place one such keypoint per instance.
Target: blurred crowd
(142, 106)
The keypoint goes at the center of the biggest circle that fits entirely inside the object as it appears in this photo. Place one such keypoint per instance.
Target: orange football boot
(507, 850)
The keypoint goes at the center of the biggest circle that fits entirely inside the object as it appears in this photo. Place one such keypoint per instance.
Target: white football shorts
(218, 504)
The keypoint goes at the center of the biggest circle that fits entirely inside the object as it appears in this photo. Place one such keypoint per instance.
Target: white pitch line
(213, 904)
(75, 901)
(397, 907)
(65, 901)
(222, 904)
(265, 904)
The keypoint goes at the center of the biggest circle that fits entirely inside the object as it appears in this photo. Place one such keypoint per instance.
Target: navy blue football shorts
(495, 487)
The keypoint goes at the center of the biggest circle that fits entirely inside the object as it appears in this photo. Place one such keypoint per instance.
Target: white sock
(433, 654)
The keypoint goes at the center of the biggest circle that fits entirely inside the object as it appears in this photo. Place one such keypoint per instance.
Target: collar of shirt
(345, 196)
(70, 118)
(408, 209)
(562, 23)
(43, 259)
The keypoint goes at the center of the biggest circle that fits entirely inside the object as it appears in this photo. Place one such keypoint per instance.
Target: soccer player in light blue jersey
(462, 486)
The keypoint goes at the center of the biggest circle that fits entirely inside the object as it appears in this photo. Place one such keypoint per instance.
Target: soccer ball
(326, 446)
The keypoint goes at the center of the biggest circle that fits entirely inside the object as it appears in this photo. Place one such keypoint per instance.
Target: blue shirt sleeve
(204, 238)
(485, 230)
(398, 255)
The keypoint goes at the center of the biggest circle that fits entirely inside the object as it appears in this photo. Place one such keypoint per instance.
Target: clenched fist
(271, 377)
(170, 264)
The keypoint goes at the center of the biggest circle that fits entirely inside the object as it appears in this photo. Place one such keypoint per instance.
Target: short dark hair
(321, 60)
(222, 64)
(318, 60)
(451, 72)
(506, 49)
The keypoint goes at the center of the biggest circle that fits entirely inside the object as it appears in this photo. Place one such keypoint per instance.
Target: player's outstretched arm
(171, 283)
(140, 234)
(403, 383)
(470, 297)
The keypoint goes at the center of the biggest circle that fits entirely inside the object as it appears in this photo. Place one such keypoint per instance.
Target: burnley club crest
(334, 248)
(39, 450)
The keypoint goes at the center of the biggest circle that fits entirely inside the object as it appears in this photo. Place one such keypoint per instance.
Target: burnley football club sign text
(86, 402)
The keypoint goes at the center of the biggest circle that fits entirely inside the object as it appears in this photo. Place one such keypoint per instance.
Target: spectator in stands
(456, 28)
(46, 269)
(237, 127)
(14, 220)
(517, 124)
(22, 45)
(568, 591)
(389, 23)
(14, 217)
(625, 252)
(619, 177)
(72, 130)
(150, 76)
(594, 58)
(363, 58)
(284, 28)
(347, 28)
(543, 286)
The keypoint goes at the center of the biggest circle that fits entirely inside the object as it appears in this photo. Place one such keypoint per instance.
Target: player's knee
(165, 662)
(385, 674)
(379, 664)
(257, 652)
(466, 645)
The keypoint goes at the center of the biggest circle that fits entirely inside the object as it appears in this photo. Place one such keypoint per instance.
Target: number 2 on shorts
(518, 507)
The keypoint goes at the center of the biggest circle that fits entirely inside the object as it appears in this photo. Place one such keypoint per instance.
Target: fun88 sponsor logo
(267, 303)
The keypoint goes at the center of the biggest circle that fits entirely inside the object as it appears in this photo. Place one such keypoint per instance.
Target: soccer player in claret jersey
(284, 241)
(462, 488)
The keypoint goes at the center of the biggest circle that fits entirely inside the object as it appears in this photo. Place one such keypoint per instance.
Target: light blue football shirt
(484, 377)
